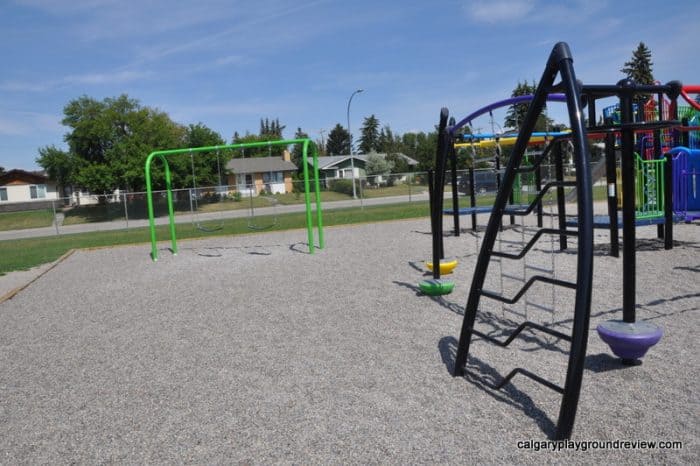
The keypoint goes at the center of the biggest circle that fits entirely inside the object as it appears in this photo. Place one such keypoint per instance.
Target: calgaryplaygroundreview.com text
(586, 445)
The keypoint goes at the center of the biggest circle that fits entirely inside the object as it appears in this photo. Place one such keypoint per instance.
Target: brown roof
(17, 175)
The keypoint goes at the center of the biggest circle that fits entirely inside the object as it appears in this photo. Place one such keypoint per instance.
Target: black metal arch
(560, 63)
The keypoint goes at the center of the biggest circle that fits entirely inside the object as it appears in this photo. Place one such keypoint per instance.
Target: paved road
(58, 229)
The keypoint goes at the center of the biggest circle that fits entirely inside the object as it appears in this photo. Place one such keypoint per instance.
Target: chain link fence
(126, 210)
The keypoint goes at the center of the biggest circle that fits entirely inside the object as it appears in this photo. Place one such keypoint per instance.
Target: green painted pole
(317, 187)
(149, 200)
(307, 196)
(171, 210)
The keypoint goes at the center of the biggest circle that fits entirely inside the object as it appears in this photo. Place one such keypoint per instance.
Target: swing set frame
(162, 155)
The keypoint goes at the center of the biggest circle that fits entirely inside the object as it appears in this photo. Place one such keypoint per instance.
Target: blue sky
(228, 63)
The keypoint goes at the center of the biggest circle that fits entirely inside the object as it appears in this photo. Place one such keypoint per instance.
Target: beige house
(25, 186)
(252, 176)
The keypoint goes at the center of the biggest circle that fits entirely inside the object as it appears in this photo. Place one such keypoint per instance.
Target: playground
(250, 349)
(415, 341)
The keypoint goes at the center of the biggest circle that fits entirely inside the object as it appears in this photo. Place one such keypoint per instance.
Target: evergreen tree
(516, 113)
(639, 68)
(389, 143)
(369, 141)
(270, 130)
(298, 149)
(338, 141)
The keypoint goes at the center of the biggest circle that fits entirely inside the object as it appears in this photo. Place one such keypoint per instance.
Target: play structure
(646, 183)
(686, 182)
(162, 155)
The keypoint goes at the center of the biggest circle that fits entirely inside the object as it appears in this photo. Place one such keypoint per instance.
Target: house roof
(328, 162)
(260, 165)
(18, 175)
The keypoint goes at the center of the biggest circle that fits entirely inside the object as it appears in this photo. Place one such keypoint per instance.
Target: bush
(341, 186)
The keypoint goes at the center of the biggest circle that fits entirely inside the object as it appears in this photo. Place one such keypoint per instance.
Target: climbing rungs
(517, 332)
(531, 243)
(538, 198)
(523, 290)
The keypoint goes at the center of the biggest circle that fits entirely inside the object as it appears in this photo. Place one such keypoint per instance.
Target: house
(21, 186)
(251, 176)
(335, 167)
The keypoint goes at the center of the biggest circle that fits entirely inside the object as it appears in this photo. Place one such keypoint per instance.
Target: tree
(338, 141)
(516, 113)
(58, 164)
(639, 67)
(2, 171)
(369, 141)
(298, 149)
(270, 130)
(209, 167)
(377, 165)
(109, 140)
(398, 163)
(421, 147)
(389, 142)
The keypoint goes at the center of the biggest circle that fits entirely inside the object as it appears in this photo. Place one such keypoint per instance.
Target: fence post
(362, 195)
(410, 181)
(126, 211)
(55, 219)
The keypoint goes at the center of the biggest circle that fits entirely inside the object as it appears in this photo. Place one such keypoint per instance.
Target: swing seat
(446, 265)
(436, 287)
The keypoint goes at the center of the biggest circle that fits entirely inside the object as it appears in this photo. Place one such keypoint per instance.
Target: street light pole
(352, 160)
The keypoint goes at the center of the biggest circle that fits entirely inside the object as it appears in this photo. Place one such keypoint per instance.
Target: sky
(229, 63)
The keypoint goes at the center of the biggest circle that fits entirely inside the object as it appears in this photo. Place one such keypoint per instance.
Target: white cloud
(88, 79)
(494, 11)
(230, 60)
(27, 123)
(534, 11)
(118, 77)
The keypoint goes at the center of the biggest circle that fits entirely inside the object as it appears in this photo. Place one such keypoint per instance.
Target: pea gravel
(251, 350)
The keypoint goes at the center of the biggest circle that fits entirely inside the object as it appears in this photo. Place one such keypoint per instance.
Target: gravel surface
(248, 349)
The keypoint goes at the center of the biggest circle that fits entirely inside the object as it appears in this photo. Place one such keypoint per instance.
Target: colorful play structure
(307, 146)
(658, 185)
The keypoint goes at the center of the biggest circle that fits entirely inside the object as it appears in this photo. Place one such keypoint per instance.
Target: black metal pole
(629, 233)
(453, 166)
(472, 196)
(668, 202)
(440, 168)
(561, 199)
(611, 181)
(538, 187)
(584, 268)
(433, 224)
(657, 153)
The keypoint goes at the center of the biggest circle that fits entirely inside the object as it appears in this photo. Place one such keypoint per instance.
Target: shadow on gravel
(603, 362)
(482, 376)
(695, 269)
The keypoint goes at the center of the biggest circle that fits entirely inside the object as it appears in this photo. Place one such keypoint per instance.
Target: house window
(273, 177)
(3, 194)
(37, 191)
